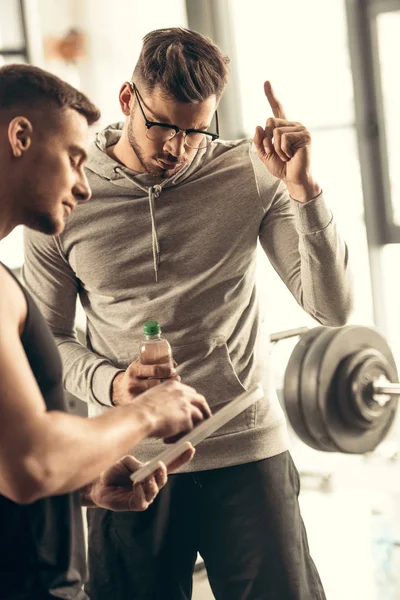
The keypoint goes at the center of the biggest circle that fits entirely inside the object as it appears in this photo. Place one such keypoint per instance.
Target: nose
(176, 146)
(81, 190)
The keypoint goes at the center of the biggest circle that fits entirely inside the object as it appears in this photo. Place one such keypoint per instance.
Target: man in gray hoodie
(171, 234)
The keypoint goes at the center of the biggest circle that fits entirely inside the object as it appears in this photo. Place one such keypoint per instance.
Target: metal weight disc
(354, 388)
(291, 387)
(347, 341)
(310, 390)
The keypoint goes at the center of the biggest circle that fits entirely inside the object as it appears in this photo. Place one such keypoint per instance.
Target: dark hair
(186, 65)
(26, 86)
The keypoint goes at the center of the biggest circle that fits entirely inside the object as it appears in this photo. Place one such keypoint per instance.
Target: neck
(123, 153)
(10, 194)
(7, 219)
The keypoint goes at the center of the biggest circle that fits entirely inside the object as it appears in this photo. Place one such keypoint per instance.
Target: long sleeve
(53, 284)
(306, 250)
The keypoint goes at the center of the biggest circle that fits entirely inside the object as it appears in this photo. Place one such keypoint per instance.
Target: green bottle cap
(151, 328)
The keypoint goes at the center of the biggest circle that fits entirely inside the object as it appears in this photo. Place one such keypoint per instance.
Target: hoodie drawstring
(153, 192)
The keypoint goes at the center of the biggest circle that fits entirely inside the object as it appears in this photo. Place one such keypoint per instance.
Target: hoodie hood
(106, 167)
(139, 183)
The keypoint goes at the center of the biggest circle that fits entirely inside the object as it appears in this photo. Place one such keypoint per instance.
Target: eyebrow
(159, 119)
(167, 122)
(78, 150)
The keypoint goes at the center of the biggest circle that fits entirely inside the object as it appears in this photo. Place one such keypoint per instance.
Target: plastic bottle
(154, 349)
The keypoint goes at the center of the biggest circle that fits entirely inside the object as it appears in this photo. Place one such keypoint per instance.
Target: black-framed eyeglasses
(163, 132)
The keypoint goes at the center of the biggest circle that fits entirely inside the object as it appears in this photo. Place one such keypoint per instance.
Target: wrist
(116, 395)
(144, 416)
(86, 495)
(304, 191)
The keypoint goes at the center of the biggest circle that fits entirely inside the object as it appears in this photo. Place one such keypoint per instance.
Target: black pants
(245, 522)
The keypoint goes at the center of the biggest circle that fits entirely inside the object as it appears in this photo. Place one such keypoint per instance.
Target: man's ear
(126, 98)
(20, 135)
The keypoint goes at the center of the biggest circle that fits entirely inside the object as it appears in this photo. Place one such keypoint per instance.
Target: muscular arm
(43, 453)
(53, 284)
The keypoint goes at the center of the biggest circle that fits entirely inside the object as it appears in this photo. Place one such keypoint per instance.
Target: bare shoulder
(13, 307)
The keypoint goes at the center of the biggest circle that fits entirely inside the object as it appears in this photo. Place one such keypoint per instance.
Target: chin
(154, 169)
(59, 227)
(45, 223)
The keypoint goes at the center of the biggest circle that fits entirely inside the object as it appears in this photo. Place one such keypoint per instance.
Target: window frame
(370, 118)
(21, 51)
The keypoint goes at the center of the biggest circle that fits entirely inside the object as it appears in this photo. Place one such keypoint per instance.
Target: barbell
(341, 388)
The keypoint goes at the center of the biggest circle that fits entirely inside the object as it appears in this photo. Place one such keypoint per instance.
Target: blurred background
(334, 65)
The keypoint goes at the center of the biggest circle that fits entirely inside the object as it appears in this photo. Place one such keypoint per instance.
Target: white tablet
(200, 432)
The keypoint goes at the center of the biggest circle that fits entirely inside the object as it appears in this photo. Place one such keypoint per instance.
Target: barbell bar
(385, 387)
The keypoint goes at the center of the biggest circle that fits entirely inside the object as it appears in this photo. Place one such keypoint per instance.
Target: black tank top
(42, 552)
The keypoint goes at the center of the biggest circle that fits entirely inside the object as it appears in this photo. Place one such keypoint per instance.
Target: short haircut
(186, 65)
(25, 86)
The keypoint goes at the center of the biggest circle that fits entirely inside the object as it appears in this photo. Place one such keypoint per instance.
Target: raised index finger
(274, 103)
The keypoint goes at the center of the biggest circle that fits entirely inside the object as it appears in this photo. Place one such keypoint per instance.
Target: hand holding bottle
(139, 378)
(154, 365)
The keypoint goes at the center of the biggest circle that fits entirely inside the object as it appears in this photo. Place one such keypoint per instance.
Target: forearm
(69, 452)
(52, 282)
(303, 245)
(324, 286)
(86, 375)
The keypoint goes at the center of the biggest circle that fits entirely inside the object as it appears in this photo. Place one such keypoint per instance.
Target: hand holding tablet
(199, 433)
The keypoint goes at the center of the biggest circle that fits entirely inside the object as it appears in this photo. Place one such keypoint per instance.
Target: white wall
(114, 30)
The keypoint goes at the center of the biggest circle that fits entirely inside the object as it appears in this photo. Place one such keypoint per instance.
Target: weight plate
(355, 388)
(345, 342)
(310, 390)
(291, 387)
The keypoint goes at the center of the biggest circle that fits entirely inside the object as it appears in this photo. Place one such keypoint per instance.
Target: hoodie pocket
(207, 366)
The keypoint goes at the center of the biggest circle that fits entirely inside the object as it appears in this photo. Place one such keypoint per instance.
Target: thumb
(184, 458)
(131, 463)
(120, 471)
(258, 139)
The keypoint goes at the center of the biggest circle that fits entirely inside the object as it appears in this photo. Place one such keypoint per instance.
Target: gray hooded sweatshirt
(182, 251)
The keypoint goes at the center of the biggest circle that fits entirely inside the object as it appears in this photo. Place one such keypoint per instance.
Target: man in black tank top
(51, 462)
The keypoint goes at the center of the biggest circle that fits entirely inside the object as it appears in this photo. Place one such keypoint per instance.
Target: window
(388, 28)
(309, 67)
